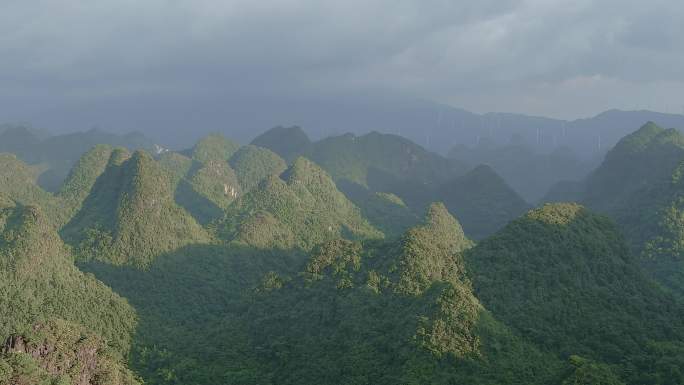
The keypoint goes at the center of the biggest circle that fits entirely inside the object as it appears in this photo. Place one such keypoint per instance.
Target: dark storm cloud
(557, 57)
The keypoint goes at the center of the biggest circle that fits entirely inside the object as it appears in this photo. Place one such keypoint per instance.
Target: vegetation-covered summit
(18, 182)
(253, 164)
(288, 142)
(639, 161)
(640, 185)
(83, 177)
(380, 160)
(130, 215)
(299, 209)
(564, 279)
(214, 147)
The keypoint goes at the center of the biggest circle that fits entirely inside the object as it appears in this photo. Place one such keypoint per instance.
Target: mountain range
(437, 127)
(347, 260)
(554, 149)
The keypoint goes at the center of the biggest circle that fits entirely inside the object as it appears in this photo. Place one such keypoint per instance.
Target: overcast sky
(559, 58)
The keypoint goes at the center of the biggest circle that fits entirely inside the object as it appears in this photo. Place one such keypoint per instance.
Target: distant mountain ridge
(375, 163)
(526, 169)
(58, 153)
(34, 147)
(436, 126)
(440, 127)
(556, 149)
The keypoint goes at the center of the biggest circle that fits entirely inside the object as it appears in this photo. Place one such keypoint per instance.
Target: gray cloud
(93, 59)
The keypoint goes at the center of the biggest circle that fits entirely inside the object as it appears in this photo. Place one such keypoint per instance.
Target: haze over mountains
(530, 153)
(437, 127)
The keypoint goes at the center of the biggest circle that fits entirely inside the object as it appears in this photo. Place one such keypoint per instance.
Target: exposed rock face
(229, 191)
(64, 350)
(85, 359)
(14, 344)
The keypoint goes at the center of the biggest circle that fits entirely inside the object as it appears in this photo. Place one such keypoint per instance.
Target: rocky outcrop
(65, 350)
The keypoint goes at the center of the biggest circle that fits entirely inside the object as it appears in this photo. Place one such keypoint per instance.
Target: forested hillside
(565, 279)
(364, 166)
(130, 215)
(639, 185)
(60, 325)
(334, 262)
(297, 210)
(349, 312)
(481, 199)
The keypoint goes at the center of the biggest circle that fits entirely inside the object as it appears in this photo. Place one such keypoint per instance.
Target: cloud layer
(566, 58)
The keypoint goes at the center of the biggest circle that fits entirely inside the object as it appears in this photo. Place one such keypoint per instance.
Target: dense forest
(346, 260)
